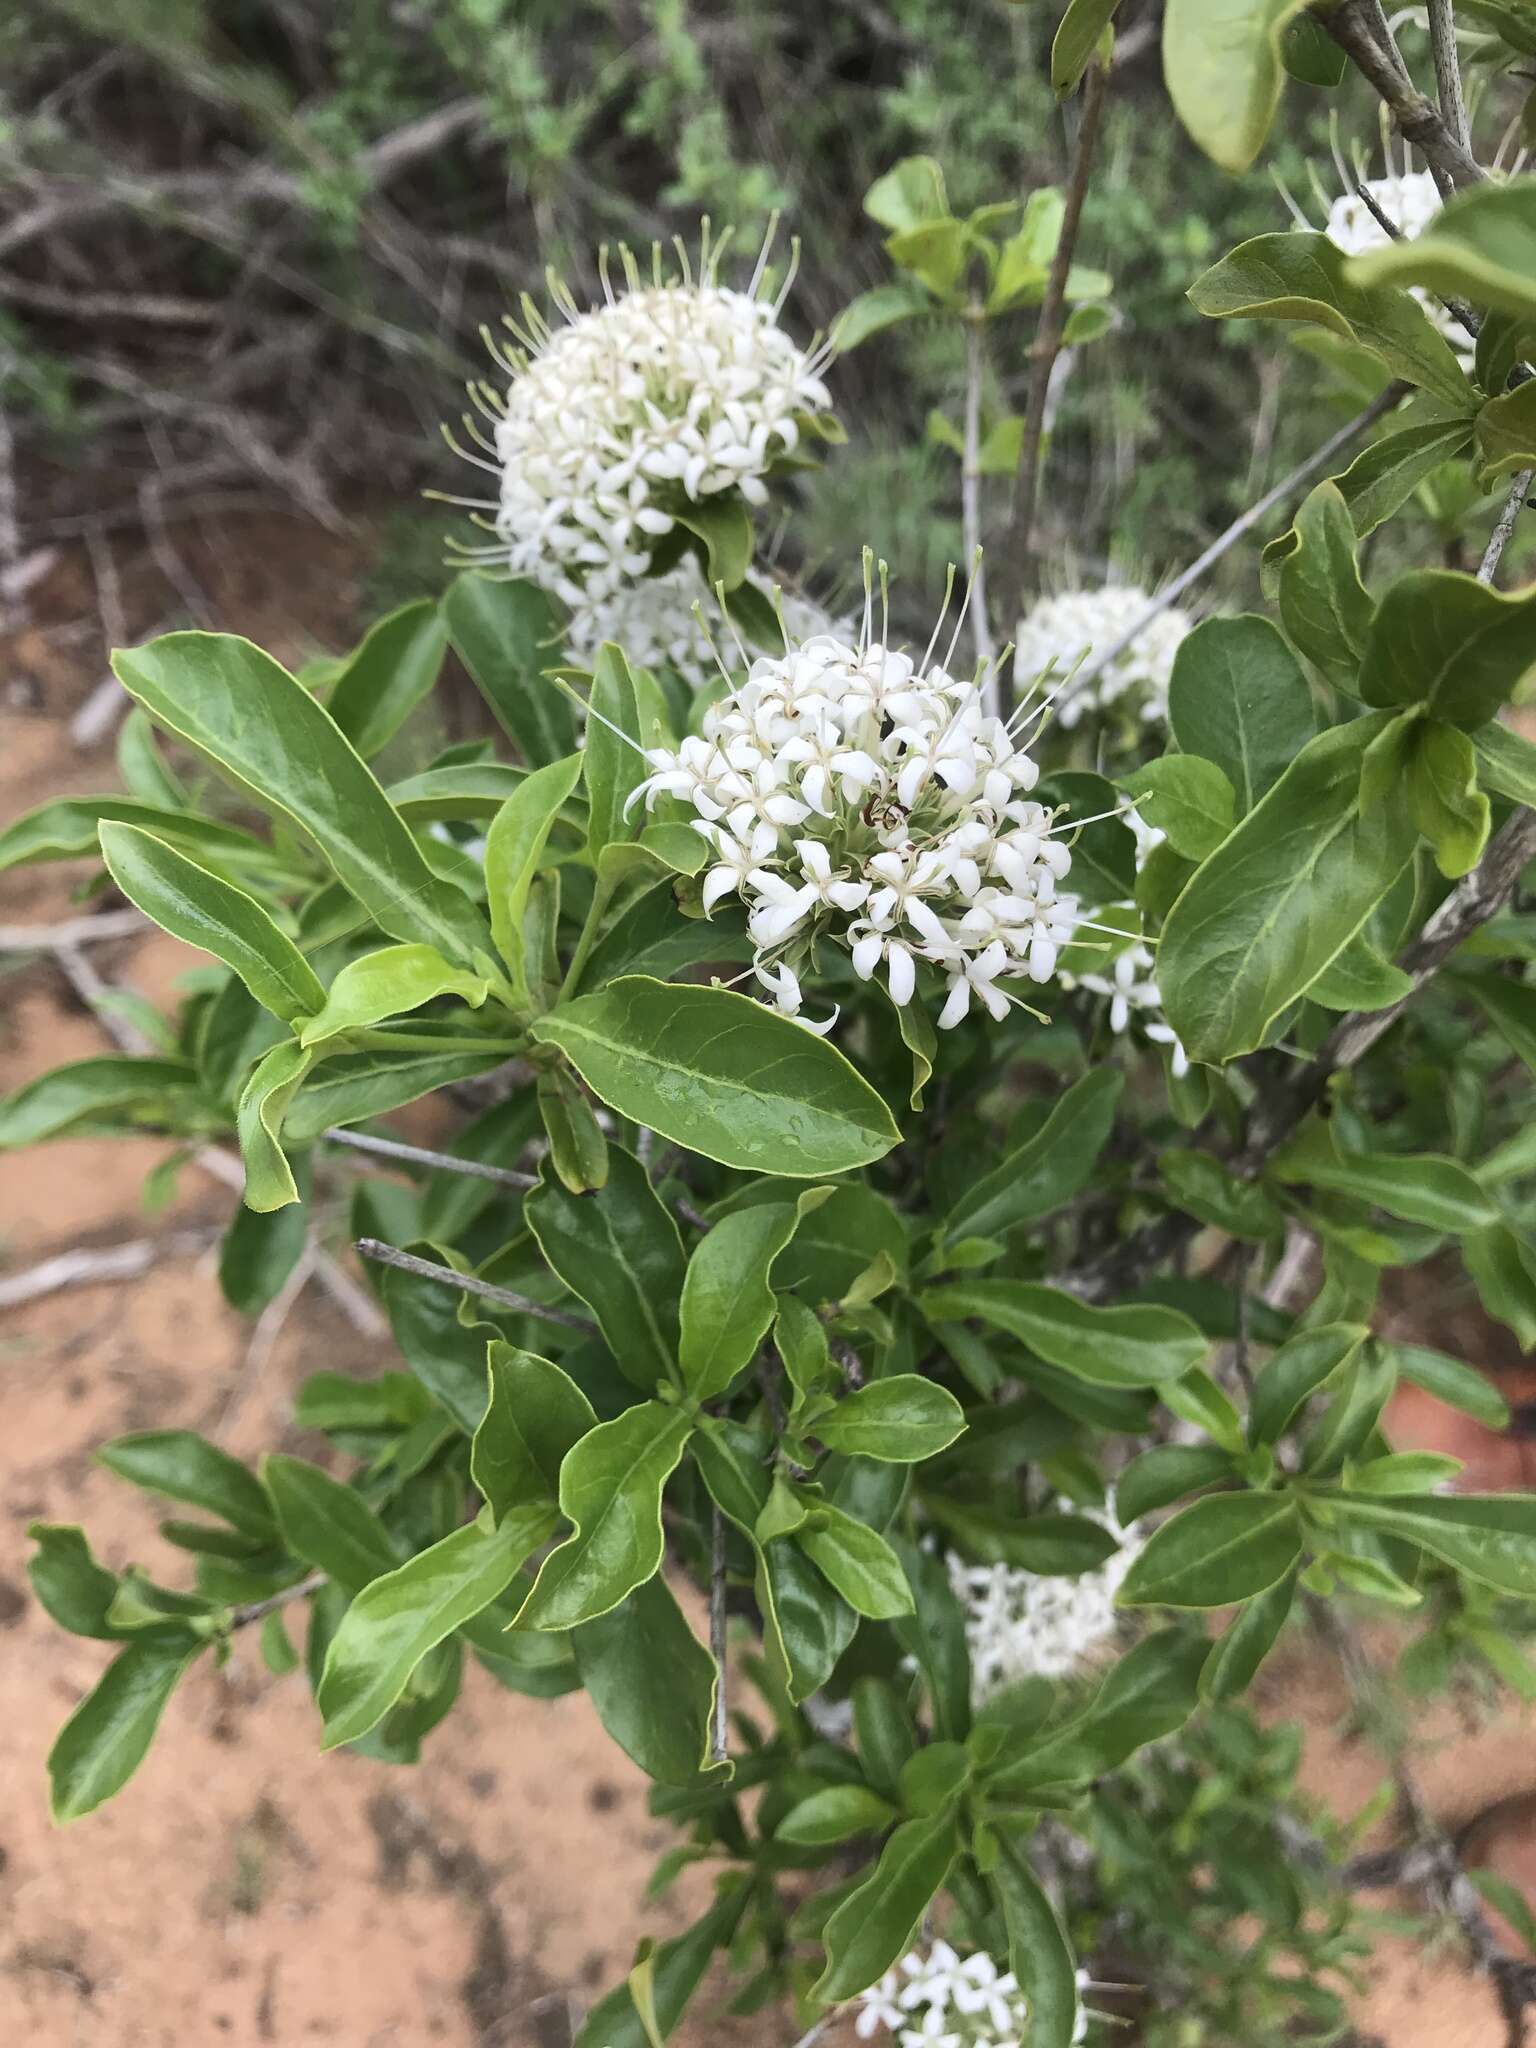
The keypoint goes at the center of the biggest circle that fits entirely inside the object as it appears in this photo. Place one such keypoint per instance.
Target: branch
(442, 1162)
(258, 1610)
(1244, 523)
(85, 1268)
(718, 1738)
(1416, 118)
(75, 931)
(1047, 342)
(425, 1269)
(1442, 39)
(1500, 537)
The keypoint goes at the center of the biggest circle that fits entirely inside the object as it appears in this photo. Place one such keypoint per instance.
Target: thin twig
(270, 1325)
(1047, 343)
(258, 1610)
(443, 1162)
(1416, 118)
(1442, 40)
(424, 1269)
(74, 931)
(718, 1748)
(970, 494)
(1244, 523)
(1499, 539)
(85, 1268)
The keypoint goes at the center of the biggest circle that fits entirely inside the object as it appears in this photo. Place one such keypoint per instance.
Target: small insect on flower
(673, 391)
(854, 796)
(1068, 635)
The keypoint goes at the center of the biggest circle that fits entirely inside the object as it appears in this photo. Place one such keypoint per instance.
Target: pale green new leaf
(1221, 60)
(389, 983)
(513, 848)
(108, 1735)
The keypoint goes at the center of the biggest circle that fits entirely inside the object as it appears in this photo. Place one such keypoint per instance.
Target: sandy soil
(245, 1890)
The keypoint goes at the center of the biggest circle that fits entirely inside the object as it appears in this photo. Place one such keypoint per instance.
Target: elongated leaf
(108, 1735)
(184, 1466)
(1039, 1953)
(397, 1619)
(1451, 1380)
(274, 1081)
(352, 1086)
(1481, 246)
(1510, 1007)
(1237, 697)
(806, 1625)
(513, 847)
(1166, 1473)
(67, 827)
(935, 1639)
(610, 1489)
(902, 1420)
(857, 1561)
(329, 1525)
(196, 905)
(618, 1249)
(836, 1814)
(627, 716)
(1057, 1546)
(1384, 476)
(1325, 608)
(1506, 434)
(1222, 1549)
(389, 983)
(1082, 27)
(259, 1251)
(506, 633)
(723, 1076)
(535, 1415)
(73, 1589)
(262, 729)
(652, 1682)
(1221, 59)
(873, 311)
(446, 1354)
(1048, 1168)
(1490, 1537)
(1450, 643)
(1422, 1187)
(388, 674)
(1307, 1362)
(1148, 1694)
(1246, 1641)
(875, 1924)
(727, 1300)
(677, 1967)
(106, 1087)
(1293, 885)
(1114, 1347)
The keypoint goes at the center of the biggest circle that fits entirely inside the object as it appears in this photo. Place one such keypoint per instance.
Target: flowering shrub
(996, 1345)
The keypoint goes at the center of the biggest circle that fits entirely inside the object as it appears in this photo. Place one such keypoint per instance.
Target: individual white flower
(673, 391)
(937, 1999)
(859, 799)
(1134, 1000)
(1069, 633)
(878, 2008)
(1408, 199)
(1021, 1624)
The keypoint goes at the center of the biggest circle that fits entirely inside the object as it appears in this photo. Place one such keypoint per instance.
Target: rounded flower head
(854, 797)
(669, 393)
(1073, 631)
(656, 622)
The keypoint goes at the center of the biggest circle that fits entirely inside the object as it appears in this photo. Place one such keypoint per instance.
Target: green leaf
(1081, 30)
(1166, 1473)
(260, 1251)
(1049, 1168)
(1114, 1347)
(86, 1090)
(1188, 798)
(652, 1683)
(873, 311)
(1057, 1546)
(1197, 1400)
(352, 1086)
(274, 1081)
(1449, 643)
(388, 674)
(727, 1299)
(1453, 1381)
(184, 1466)
(1246, 1641)
(1039, 1953)
(1309, 53)
(1359, 979)
(610, 1489)
(806, 1626)
(1148, 1694)
(1420, 1187)
(858, 1562)
(1238, 698)
(203, 910)
(1489, 1537)
(835, 1814)
(535, 1415)
(1443, 795)
(389, 983)
(724, 525)
(67, 827)
(1302, 1365)
(1222, 1549)
(1503, 1270)
(506, 633)
(677, 1968)
(1201, 1185)
(723, 1076)
(627, 715)
(1506, 434)
(1221, 59)
(578, 1150)
(1345, 1427)
(875, 1924)
(514, 847)
(1510, 1007)
(1324, 607)
(618, 1249)
(908, 194)
(1303, 277)
(1024, 261)
(72, 1588)
(900, 1420)
(327, 1524)
(1480, 246)
(108, 1735)
(1506, 763)
(934, 252)
(1294, 884)
(397, 1619)
(935, 1639)
(446, 1354)
(882, 1731)
(262, 729)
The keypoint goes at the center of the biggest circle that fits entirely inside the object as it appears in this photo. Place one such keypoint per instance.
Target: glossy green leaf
(882, 1731)
(676, 1970)
(627, 715)
(1353, 1412)
(396, 1620)
(108, 1735)
(184, 1466)
(1221, 61)
(1222, 1549)
(900, 1420)
(1421, 1187)
(388, 674)
(274, 1081)
(1149, 1693)
(1503, 1270)
(71, 1587)
(858, 1562)
(1080, 32)
(1246, 1641)
(1166, 1473)
(806, 1625)
(723, 1076)
(1304, 277)
(446, 1353)
(1324, 607)
(1491, 1537)
(1506, 763)
(328, 1524)
(535, 1415)
(1480, 246)
(200, 908)
(506, 633)
(652, 1683)
(876, 1923)
(1238, 698)
(1294, 884)
(1039, 1953)
(104, 1087)
(1453, 1381)
(260, 1250)
(1056, 1546)
(935, 1639)
(618, 1249)
(610, 1489)
(513, 849)
(389, 983)
(1447, 642)
(67, 827)
(1113, 1347)
(353, 1086)
(727, 1297)
(835, 1814)
(1305, 1363)
(723, 524)
(1049, 1168)
(1186, 797)
(1201, 1185)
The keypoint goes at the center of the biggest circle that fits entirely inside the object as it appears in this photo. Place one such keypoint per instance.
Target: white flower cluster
(1072, 631)
(655, 622)
(669, 393)
(1020, 1625)
(941, 2000)
(852, 795)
